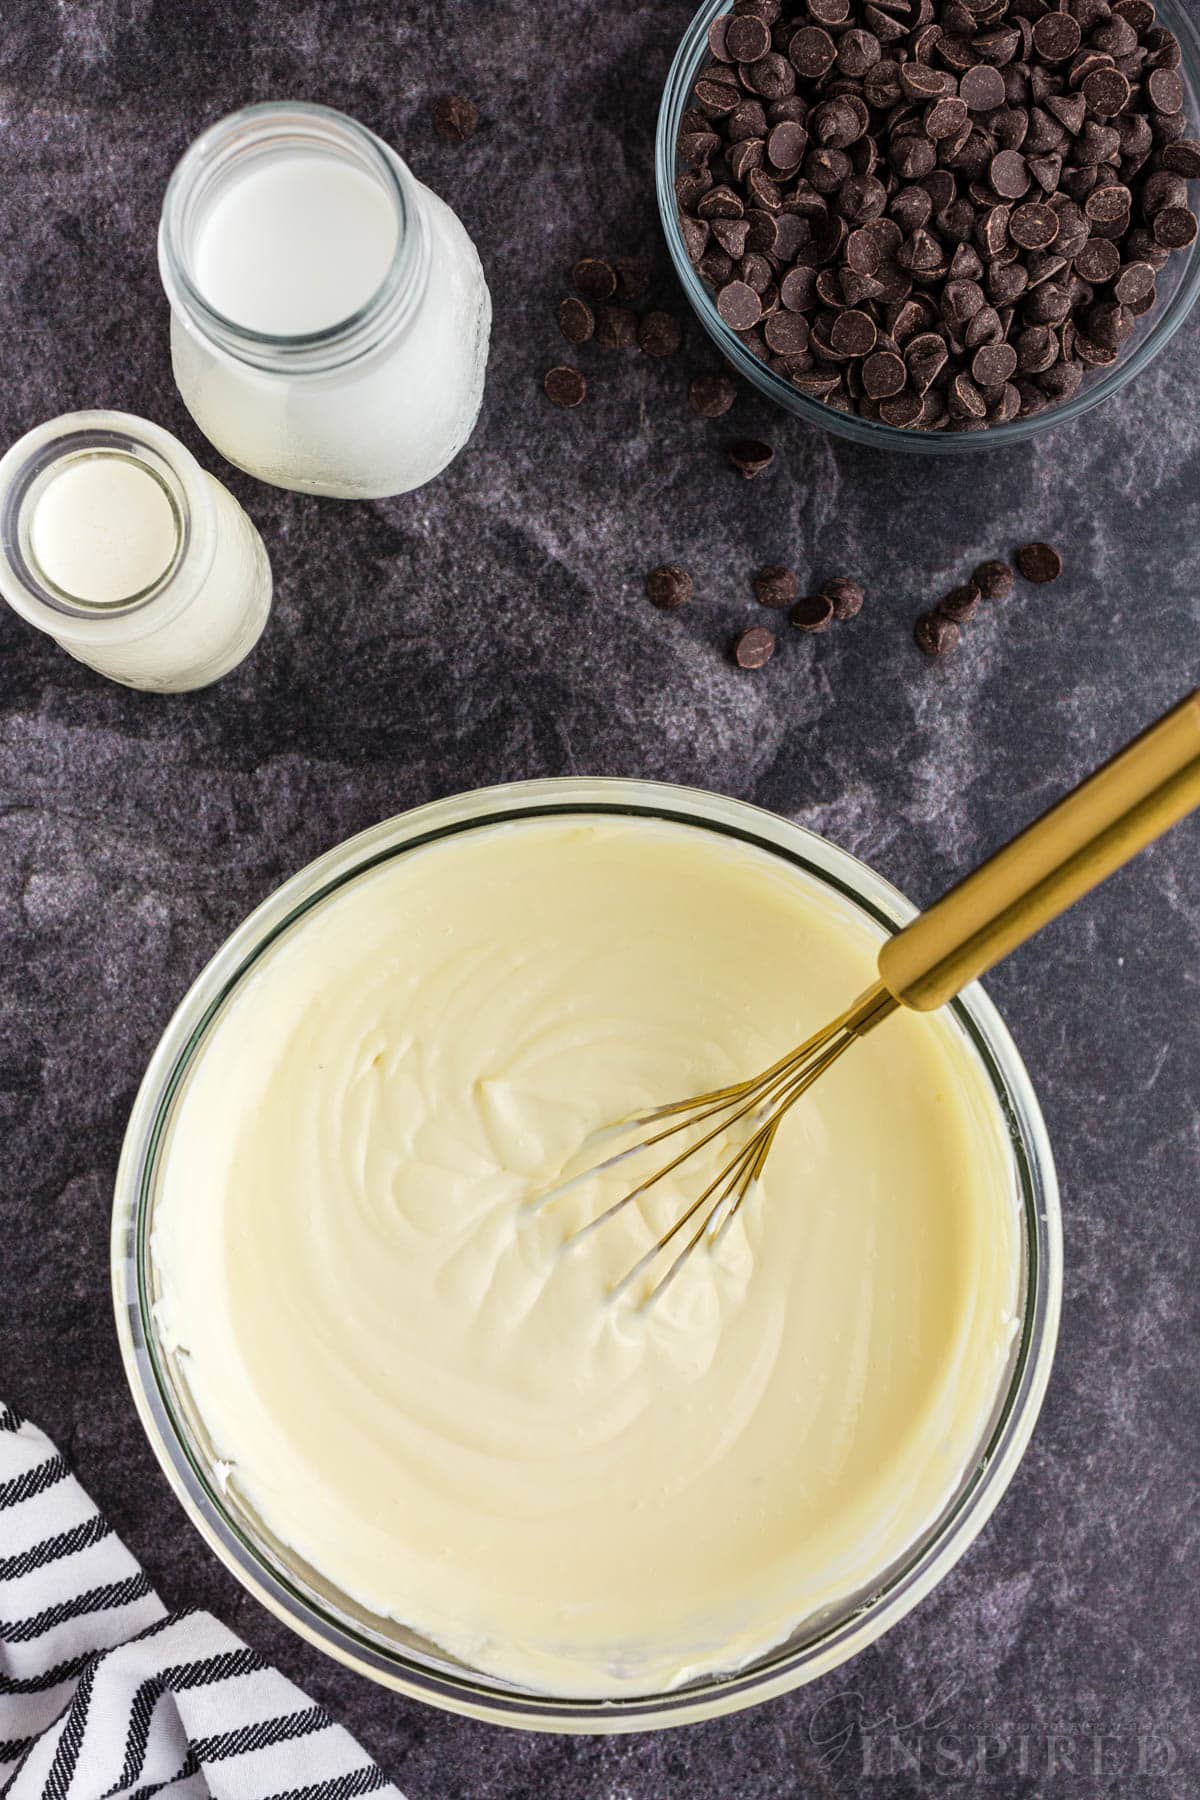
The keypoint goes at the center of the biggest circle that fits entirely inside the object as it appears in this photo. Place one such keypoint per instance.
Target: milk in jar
(329, 314)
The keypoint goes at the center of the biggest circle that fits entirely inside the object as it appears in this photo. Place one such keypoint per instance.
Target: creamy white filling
(428, 1397)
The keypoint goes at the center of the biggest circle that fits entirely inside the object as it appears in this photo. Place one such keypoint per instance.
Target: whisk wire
(768, 1095)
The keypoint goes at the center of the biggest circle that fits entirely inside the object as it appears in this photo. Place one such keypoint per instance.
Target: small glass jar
(374, 404)
(200, 578)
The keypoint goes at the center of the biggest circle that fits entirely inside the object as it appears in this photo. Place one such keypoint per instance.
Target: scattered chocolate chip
(633, 277)
(776, 585)
(1039, 562)
(594, 278)
(935, 634)
(960, 604)
(994, 579)
(711, 395)
(659, 334)
(616, 328)
(813, 613)
(754, 647)
(576, 320)
(749, 456)
(564, 386)
(847, 596)
(455, 118)
(669, 586)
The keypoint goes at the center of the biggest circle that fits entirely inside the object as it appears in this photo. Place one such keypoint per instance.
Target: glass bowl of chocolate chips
(906, 220)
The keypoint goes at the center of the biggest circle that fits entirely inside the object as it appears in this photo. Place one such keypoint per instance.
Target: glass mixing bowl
(1178, 285)
(384, 1650)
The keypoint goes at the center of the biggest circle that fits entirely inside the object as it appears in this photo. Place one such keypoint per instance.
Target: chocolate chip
(1135, 282)
(813, 613)
(1099, 261)
(1039, 562)
(711, 395)
(776, 585)
(669, 587)
(1106, 91)
(883, 374)
(754, 647)
(960, 604)
(982, 88)
(847, 596)
(812, 52)
(772, 76)
(786, 333)
(633, 277)
(1033, 226)
(1174, 227)
(1182, 158)
(926, 356)
(1164, 90)
(576, 320)
(749, 456)
(455, 118)
(1056, 37)
(853, 334)
(994, 364)
(798, 290)
(739, 305)
(1008, 173)
(905, 410)
(595, 279)
(746, 38)
(994, 579)
(935, 634)
(659, 334)
(616, 328)
(564, 386)
(786, 146)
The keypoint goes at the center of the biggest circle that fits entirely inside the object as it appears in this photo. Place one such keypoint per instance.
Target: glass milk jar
(329, 314)
(117, 544)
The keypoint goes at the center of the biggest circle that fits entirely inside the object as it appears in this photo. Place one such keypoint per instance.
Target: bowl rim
(872, 433)
(444, 1683)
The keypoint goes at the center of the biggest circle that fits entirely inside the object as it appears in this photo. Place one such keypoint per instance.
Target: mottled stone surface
(494, 626)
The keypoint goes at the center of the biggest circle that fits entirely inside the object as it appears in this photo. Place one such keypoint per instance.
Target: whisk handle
(1104, 822)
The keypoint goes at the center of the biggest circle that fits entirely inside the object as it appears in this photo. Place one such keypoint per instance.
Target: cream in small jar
(419, 1386)
(115, 542)
(329, 314)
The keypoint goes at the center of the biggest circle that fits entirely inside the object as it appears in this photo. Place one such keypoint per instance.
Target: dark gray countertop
(493, 626)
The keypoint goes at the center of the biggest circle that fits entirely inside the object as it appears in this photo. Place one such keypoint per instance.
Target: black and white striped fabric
(104, 1695)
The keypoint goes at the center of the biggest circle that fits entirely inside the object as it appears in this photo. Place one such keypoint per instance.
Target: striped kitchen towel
(104, 1695)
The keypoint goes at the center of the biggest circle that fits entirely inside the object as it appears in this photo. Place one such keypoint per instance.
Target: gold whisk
(1125, 805)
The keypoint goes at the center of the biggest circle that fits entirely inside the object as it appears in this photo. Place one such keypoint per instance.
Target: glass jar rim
(441, 1681)
(247, 132)
(24, 469)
